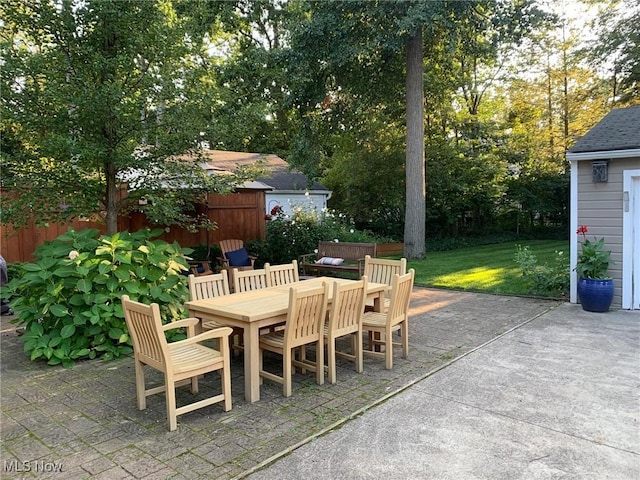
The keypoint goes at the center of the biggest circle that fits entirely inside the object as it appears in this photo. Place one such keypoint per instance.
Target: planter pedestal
(595, 295)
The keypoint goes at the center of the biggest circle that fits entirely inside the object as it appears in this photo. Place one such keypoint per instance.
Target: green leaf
(115, 333)
(36, 354)
(104, 267)
(123, 273)
(76, 300)
(101, 298)
(84, 285)
(112, 284)
(84, 271)
(68, 331)
(141, 271)
(79, 353)
(124, 338)
(123, 257)
(59, 310)
(132, 287)
(45, 274)
(31, 267)
(94, 330)
(171, 281)
(155, 291)
(36, 329)
(64, 271)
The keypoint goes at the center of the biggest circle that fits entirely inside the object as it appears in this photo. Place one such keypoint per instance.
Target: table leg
(251, 363)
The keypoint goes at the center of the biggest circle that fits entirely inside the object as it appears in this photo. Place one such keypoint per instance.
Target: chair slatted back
(145, 327)
(381, 270)
(401, 287)
(347, 307)
(247, 280)
(230, 245)
(282, 274)
(306, 315)
(208, 286)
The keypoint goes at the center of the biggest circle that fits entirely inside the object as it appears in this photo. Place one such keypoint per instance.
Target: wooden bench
(352, 253)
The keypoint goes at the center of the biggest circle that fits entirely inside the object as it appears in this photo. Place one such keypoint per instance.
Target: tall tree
(360, 49)
(414, 226)
(97, 94)
(617, 48)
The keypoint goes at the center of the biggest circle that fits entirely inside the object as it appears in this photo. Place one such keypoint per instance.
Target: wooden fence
(238, 215)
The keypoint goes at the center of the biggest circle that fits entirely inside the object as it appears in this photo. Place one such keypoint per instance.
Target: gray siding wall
(600, 208)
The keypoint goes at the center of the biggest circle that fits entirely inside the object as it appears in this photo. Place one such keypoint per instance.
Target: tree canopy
(98, 94)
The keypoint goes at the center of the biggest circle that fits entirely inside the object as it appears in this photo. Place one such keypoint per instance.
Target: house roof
(618, 130)
(280, 176)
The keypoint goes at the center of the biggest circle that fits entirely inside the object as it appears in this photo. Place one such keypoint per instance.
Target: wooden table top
(267, 302)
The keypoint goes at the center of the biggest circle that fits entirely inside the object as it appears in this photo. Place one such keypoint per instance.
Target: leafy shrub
(199, 252)
(69, 300)
(290, 236)
(546, 279)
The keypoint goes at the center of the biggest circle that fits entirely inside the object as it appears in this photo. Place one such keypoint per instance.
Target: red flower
(267, 217)
(276, 210)
(582, 229)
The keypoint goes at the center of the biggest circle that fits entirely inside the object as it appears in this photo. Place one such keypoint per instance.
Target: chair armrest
(220, 332)
(185, 322)
(223, 261)
(188, 323)
(360, 267)
(306, 255)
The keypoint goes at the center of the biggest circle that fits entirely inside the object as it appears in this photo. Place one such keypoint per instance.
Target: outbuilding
(605, 196)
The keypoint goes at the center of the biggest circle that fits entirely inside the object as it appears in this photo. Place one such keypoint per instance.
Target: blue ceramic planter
(595, 295)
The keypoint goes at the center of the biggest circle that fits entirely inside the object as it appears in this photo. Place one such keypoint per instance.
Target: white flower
(336, 240)
(351, 231)
(73, 254)
(315, 250)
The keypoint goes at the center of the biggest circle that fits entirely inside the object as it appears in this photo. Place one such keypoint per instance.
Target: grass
(487, 268)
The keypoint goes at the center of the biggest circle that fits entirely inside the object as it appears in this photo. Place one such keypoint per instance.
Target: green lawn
(487, 268)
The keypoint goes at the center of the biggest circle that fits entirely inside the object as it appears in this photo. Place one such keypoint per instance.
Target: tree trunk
(111, 199)
(415, 212)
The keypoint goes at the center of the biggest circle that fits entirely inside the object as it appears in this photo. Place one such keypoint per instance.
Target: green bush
(545, 279)
(68, 300)
(290, 236)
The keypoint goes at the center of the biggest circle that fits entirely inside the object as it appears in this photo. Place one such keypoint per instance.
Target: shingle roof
(281, 176)
(618, 130)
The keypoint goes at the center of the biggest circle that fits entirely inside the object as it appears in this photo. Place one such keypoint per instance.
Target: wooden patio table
(257, 309)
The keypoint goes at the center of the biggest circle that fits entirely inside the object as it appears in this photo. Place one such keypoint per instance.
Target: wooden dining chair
(248, 280)
(210, 286)
(304, 326)
(382, 270)
(345, 318)
(181, 362)
(381, 325)
(282, 274)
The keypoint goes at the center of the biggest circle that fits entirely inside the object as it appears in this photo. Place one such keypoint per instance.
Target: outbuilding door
(631, 240)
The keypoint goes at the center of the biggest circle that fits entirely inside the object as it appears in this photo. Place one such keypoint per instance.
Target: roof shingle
(618, 130)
